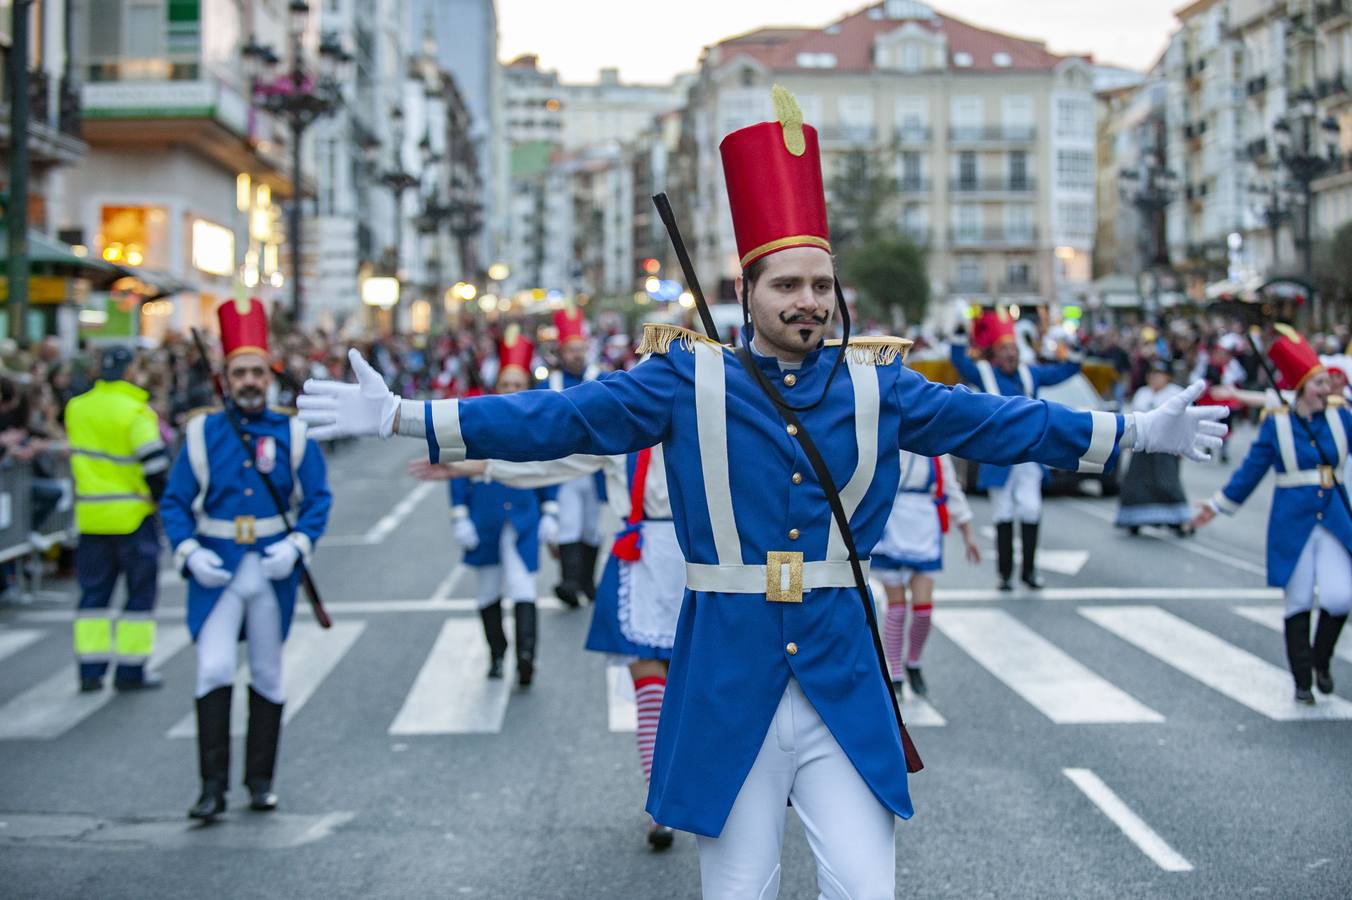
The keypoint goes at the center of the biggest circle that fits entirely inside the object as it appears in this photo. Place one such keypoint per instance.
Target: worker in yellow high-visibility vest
(121, 467)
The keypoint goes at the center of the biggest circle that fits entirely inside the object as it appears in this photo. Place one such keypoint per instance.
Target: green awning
(48, 256)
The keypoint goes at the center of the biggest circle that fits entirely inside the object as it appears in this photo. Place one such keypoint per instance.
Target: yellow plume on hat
(790, 116)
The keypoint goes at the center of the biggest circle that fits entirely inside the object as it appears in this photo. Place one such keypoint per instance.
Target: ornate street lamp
(398, 180)
(1151, 187)
(1307, 147)
(299, 98)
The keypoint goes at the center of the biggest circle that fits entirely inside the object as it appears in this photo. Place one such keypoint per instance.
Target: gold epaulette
(657, 338)
(284, 410)
(1337, 400)
(1272, 410)
(875, 351)
(200, 411)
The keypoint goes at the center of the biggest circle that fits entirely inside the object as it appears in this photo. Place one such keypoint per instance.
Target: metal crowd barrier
(19, 544)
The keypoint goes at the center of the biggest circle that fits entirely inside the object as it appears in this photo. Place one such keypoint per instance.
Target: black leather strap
(814, 458)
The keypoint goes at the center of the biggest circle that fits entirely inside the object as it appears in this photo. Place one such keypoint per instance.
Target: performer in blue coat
(500, 529)
(775, 691)
(1015, 491)
(1309, 531)
(239, 559)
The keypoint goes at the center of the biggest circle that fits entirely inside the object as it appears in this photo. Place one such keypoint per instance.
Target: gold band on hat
(797, 240)
(248, 348)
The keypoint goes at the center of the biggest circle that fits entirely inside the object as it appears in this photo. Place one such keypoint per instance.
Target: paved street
(1128, 733)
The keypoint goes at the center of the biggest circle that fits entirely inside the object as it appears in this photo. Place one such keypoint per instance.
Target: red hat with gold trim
(992, 327)
(244, 327)
(774, 176)
(1295, 359)
(515, 351)
(570, 324)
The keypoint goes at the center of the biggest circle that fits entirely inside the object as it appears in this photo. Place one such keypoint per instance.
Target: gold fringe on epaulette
(200, 411)
(657, 338)
(1337, 400)
(289, 411)
(875, 351)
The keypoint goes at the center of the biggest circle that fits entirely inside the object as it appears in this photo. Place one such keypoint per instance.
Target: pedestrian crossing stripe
(450, 694)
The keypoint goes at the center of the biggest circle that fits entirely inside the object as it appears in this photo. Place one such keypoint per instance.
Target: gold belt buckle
(784, 576)
(1326, 477)
(245, 531)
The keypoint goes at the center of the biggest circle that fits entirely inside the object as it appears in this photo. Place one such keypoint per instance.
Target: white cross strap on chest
(988, 382)
(1324, 476)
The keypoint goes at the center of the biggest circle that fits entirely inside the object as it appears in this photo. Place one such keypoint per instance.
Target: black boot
(1325, 637)
(916, 680)
(587, 570)
(660, 837)
(213, 753)
(497, 638)
(1004, 550)
(525, 642)
(1299, 654)
(569, 586)
(260, 750)
(1028, 534)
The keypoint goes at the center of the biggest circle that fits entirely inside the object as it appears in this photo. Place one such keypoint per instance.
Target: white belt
(1324, 477)
(791, 577)
(241, 529)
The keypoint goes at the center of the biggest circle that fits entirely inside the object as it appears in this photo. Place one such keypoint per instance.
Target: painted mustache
(802, 319)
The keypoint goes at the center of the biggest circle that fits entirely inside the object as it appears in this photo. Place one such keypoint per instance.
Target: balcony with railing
(916, 234)
(1019, 286)
(993, 237)
(992, 134)
(913, 134)
(54, 137)
(1006, 185)
(968, 286)
(914, 185)
(848, 134)
(1329, 12)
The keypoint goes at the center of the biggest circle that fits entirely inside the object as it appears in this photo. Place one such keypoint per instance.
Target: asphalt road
(1128, 733)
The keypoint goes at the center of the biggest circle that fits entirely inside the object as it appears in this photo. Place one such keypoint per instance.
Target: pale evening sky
(652, 40)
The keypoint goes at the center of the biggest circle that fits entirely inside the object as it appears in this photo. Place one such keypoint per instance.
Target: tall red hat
(1295, 359)
(570, 325)
(992, 327)
(244, 327)
(515, 350)
(774, 175)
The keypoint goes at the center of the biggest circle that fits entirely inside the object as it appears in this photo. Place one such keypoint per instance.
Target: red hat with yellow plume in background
(774, 176)
(244, 327)
(1295, 359)
(570, 324)
(515, 351)
(992, 327)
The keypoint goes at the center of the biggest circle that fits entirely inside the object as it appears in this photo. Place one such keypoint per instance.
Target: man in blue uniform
(775, 692)
(239, 558)
(1015, 491)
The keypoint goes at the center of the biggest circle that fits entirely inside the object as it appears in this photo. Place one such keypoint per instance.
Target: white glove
(465, 534)
(549, 529)
(1181, 429)
(207, 569)
(334, 409)
(279, 559)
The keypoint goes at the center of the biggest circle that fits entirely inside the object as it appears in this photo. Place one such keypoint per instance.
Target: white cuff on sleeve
(459, 512)
(549, 508)
(183, 551)
(1223, 504)
(303, 544)
(1102, 440)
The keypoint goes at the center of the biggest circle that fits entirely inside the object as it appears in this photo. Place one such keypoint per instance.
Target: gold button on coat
(248, 464)
(797, 478)
(507, 505)
(248, 492)
(790, 379)
(792, 429)
(791, 649)
(793, 534)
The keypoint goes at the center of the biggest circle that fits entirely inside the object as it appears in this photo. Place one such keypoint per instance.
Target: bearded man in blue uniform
(238, 556)
(775, 691)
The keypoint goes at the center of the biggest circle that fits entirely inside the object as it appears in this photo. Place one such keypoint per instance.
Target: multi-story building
(1131, 136)
(1333, 23)
(610, 110)
(990, 138)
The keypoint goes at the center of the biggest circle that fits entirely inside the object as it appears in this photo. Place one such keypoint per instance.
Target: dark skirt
(1152, 492)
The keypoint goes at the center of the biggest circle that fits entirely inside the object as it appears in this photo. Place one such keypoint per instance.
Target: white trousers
(849, 831)
(1021, 496)
(1326, 565)
(248, 599)
(509, 578)
(579, 512)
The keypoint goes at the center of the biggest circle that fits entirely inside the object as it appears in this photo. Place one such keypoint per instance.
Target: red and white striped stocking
(894, 630)
(920, 629)
(648, 693)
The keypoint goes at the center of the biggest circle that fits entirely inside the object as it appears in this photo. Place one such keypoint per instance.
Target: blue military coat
(740, 488)
(490, 506)
(215, 498)
(1025, 382)
(1302, 498)
(562, 380)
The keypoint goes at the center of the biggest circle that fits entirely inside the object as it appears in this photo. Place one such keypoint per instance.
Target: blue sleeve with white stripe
(316, 496)
(1048, 374)
(1262, 454)
(936, 419)
(176, 505)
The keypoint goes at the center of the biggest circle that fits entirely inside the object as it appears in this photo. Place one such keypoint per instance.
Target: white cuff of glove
(183, 551)
(303, 544)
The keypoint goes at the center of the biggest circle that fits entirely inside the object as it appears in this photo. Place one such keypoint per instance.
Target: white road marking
(1192, 545)
(309, 655)
(1219, 665)
(452, 694)
(442, 593)
(621, 707)
(1130, 824)
(1062, 562)
(1274, 617)
(55, 705)
(16, 639)
(1038, 671)
(917, 712)
(395, 517)
(1090, 594)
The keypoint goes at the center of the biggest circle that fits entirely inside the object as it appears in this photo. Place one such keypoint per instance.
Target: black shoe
(1304, 696)
(495, 668)
(898, 683)
(211, 803)
(1033, 582)
(1323, 679)
(150, 681)
(90, 685)
(916, 680)
(1006, 585)
(260, 751)
(1325, 639)
(525, 614)
(660, 837)
(261, 798)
